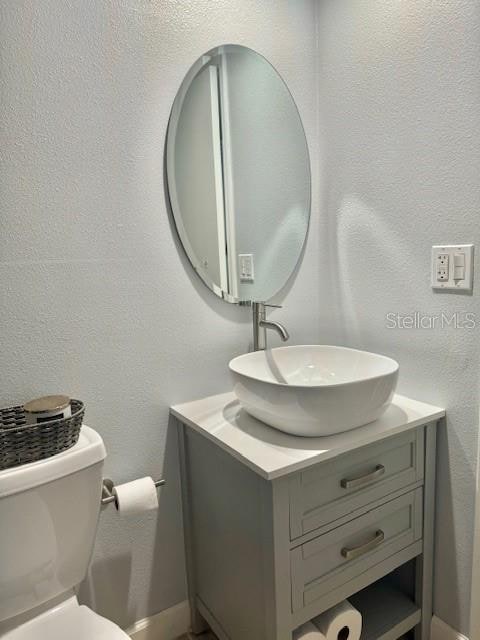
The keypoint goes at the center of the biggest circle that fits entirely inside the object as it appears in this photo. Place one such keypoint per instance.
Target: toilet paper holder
(107, 490)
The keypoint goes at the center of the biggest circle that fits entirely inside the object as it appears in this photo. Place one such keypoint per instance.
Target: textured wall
(97, 298)
(399, 100)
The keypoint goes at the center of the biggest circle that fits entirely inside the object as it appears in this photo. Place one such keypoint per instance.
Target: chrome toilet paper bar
(107, 490)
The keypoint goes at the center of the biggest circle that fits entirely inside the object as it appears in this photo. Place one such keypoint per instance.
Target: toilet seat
(69, 620)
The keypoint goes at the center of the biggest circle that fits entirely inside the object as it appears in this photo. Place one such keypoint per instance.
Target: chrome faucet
(261, 324)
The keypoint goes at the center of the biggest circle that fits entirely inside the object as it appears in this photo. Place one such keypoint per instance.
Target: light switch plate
(452, 267)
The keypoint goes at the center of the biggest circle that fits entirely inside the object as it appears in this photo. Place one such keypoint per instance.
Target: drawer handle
(349, 553)
(351, 483)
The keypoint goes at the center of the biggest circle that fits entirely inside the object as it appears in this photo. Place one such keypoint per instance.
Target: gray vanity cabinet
(268, 554)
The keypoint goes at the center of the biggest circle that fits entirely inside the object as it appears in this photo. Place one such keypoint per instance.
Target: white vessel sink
(314, 390)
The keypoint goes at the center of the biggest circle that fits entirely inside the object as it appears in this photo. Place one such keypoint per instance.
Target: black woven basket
(21, 443)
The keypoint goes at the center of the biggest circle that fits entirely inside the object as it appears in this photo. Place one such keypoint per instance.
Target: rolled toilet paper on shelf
(308, 631)
(136, 496)
(341, 622)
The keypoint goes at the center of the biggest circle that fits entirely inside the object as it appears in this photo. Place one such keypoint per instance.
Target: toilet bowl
(67, 621)
(48, 520)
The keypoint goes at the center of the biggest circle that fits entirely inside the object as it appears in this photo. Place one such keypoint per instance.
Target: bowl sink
(316, 390)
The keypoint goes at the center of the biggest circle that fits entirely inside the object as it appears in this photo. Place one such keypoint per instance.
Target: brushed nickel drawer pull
(352, 483)
(349, 553)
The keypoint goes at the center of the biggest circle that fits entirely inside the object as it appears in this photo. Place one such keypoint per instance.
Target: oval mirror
(238, 174)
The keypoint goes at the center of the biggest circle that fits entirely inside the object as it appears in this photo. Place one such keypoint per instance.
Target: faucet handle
(273, 306)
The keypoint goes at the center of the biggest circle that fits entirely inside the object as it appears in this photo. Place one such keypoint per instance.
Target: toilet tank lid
(88, 450)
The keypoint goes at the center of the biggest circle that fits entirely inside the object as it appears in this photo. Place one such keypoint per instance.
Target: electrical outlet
(452, 267)
(245, 261)
(442, 275)
(443, 260)
(442, 263)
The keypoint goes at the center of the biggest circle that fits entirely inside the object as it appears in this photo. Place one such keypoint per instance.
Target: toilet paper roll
(342, 622)
(136, 496)
(308, 631)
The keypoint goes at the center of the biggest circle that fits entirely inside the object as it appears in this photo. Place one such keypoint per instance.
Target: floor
(204, 636)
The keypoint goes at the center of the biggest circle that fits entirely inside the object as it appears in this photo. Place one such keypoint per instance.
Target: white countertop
(272, 453)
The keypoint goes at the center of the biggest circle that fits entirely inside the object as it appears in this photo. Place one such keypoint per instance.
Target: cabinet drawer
(329, 561)
(331, 490)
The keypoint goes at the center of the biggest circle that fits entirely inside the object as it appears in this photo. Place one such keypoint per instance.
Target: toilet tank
(48, 519)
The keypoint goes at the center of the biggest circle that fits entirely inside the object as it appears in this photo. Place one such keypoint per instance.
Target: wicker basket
(21, 443)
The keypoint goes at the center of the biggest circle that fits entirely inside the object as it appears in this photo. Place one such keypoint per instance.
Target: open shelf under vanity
(387, 613)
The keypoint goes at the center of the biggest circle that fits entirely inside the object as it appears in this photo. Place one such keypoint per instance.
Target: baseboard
(166, 625)
(440, 630)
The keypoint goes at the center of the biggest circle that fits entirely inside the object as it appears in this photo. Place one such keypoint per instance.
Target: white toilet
(48, 520)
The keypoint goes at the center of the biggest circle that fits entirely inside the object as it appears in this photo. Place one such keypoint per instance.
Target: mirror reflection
(238, 174)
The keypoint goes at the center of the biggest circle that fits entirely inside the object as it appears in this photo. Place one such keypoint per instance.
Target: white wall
(97, 298)
(399, 105)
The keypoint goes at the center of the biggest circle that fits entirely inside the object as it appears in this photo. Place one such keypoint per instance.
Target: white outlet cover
(246, 267)
(450, 284)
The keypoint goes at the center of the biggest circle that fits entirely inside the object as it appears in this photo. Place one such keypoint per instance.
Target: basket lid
(87, 451)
